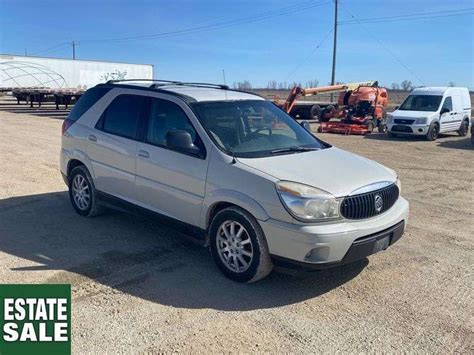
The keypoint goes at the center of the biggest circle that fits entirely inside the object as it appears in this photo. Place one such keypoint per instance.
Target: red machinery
(361, 107)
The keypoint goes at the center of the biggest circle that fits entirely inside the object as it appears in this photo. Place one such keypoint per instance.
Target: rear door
(112, 146)
(168, 181)
(446, 119)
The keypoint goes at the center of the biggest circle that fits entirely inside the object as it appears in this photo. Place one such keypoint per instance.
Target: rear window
(87, 100)
(121, 117)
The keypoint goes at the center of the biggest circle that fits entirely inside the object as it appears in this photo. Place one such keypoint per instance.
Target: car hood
(333, 170)
(412, 114)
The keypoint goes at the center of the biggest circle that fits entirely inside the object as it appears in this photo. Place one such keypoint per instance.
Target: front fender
(236, 198)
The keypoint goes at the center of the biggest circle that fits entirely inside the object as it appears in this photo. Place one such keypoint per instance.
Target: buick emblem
(378, 203)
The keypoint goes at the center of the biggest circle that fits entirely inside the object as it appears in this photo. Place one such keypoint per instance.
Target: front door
(168, 181)
(446, 119)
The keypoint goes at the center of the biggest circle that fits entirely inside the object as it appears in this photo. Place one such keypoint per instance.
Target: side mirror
(305, 125)
(182, 141)
(396, 107)
(444, 110)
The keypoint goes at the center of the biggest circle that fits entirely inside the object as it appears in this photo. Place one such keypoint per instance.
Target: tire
(89, 207)
(259, 265)
(392, 135)
(327, 110)
(315, 112)
(464, 128)
(433, 132)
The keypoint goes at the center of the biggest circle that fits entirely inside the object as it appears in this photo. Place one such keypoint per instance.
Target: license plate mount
(381, 244)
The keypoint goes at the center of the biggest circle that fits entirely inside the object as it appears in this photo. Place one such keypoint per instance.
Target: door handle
(92, 138)
(143, 154)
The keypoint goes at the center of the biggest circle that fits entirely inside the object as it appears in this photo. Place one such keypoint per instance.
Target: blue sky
(436, 50)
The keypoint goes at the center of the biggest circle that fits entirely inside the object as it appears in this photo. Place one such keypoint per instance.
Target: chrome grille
(364, 205)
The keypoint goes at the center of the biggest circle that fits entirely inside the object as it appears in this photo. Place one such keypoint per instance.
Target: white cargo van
(429, 111)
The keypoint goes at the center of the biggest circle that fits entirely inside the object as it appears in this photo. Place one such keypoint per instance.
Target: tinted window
(421, 103)
(121, 117)
(164, 117)
(249, 128)
(89, 98)
(448, 103)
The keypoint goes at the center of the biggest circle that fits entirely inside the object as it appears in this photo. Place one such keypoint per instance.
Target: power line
(53, 48)
(297, 67)
(384, 47)
(219, 25)
(418, 16)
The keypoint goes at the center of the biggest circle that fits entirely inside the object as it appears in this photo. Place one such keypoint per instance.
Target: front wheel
(238, 246)
(433, 132)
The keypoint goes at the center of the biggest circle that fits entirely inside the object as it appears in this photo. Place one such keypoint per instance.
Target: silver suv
(233, 170)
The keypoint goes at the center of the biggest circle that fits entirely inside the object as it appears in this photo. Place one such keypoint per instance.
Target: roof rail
(155, 81)
(159, 82)
(219, 86)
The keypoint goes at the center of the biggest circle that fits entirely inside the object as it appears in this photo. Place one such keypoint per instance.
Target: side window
(164, 117)
(448, 103)
(121, 116)
(87, 100)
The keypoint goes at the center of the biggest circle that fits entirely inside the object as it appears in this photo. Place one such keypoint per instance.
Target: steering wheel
(262, 129)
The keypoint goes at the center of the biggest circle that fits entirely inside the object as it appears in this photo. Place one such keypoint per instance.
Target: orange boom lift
(361, 107)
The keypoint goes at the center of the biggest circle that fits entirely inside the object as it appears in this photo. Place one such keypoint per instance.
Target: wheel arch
(226, 198)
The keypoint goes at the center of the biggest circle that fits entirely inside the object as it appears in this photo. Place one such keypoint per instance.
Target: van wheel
(464, 128)
(433, 132)
(82, 192)
(238, 246)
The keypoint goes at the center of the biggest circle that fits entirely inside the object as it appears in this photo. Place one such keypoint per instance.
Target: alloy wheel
(81, 192)
(234, 246)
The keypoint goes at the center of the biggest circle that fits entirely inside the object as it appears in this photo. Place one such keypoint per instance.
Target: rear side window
(121, 117)
(448, 103)
(87, 100)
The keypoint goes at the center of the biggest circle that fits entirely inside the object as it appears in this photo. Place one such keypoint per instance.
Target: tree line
(405, 85)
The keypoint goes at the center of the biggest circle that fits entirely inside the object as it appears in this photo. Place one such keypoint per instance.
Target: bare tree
(406, 85)
(272, 85)
(452, 84)
(242, 85)
(395, 86)
(282, 85)
(312, 83)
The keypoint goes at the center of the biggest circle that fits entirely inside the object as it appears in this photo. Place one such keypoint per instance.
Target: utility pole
(26, 53)
(73, 50)
(223, 75)
(333, 76)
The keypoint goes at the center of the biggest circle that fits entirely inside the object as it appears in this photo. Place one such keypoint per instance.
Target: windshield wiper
(294, 149)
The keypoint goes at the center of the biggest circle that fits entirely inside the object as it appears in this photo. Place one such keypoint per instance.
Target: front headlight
(389, 118)
(421, 120)
(307, 203)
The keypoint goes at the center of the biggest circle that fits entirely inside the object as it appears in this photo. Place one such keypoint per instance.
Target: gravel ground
(138, 286)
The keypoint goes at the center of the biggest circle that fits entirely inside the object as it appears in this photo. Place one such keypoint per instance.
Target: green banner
(35, 319)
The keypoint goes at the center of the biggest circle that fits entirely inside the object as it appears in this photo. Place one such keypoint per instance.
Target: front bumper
(323, 245)
(419, 130)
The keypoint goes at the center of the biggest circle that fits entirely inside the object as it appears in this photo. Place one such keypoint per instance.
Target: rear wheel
(433, 132)
(238, 246)
(464, 128)
(82, 193)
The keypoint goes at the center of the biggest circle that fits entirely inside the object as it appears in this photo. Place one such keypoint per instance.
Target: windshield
(421, 103)
(251, 129)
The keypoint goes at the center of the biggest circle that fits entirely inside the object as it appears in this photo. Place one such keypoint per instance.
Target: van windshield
(421, 103)
(253, 128)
